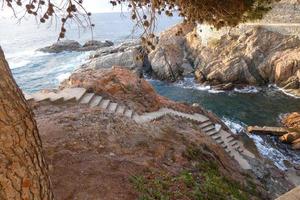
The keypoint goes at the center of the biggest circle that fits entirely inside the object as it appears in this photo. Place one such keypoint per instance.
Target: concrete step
(212, 132)
(219, 141)
(216, 136)
(209, 128)
(40, 96)
(95, 101)
(230, 139)
(104, 104)
(72, 93)
(120, 110)
(240, 149)
(129, 113)
(55, 97)
(205, 124)
(28, 97)
(233, 143)
(228, 151)
(112, 107)
(87, 98)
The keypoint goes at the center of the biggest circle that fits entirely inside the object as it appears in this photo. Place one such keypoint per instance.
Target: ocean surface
(34, 71)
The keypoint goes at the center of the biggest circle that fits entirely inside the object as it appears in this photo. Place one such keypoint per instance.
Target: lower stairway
(80, 95)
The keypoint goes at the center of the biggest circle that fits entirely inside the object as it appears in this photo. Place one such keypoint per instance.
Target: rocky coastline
(258, 57)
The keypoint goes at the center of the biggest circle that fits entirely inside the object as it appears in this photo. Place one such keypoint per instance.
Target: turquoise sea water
(34, 71)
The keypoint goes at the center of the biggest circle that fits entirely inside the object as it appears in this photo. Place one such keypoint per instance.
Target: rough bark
(23, 171)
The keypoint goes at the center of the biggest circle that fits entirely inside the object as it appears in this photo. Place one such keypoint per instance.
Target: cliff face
(257, 57)
(169, 60)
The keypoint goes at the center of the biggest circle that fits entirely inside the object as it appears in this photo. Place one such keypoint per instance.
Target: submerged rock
(72, 45)
(290, 137)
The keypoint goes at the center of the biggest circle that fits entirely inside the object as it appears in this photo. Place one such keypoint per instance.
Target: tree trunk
(23, 171)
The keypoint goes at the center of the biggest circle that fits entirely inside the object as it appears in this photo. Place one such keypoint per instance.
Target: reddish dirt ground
(92, 155)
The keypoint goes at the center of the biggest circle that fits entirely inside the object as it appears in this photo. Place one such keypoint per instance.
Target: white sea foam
(189, 83)
(263, 147)
(274, 86)
(63, 77)
(215, 91)
(269, 152)
(21, 59)
(287, 93)
(248, 89)
(233, 126)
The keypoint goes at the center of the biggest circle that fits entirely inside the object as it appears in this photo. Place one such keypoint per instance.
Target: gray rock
(227, 86)
(169, 59)
(117, 48)
(94, 45)
(65, 45)
(297, 167)
(129, 55)
(71, 45)
(166, 67)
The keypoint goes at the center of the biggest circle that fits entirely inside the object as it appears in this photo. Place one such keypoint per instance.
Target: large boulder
(256, 57)
(128, 55)
(169, 58)
(95, 44)
(292, 121)
(72, 45)
(65, 45)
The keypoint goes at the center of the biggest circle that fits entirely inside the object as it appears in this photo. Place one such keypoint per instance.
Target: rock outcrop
(292, 123)
(128, 55)
(71, 45)
(257, 57)
(169, 60)
(290, 133)
(123, 86)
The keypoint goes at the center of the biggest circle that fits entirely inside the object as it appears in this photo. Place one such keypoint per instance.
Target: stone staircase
(232, 146)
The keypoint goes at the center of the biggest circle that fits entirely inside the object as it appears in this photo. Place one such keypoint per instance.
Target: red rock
(125, 87)
(292, 121)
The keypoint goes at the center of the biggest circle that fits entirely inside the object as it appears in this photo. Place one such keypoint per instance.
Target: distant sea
(35, 70)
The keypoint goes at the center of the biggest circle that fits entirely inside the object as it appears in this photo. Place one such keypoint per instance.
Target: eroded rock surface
(169, 60)
(257, 57)
(128, 55)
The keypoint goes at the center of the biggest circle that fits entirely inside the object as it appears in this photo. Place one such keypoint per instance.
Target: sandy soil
(92, 155)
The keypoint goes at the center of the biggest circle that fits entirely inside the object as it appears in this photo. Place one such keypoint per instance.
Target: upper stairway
(80, 95)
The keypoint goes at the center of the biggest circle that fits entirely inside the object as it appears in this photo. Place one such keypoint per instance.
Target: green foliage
(204, 182)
